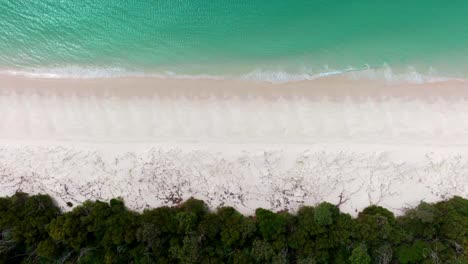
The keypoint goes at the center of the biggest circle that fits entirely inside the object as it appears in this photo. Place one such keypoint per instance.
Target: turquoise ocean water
(259, 38)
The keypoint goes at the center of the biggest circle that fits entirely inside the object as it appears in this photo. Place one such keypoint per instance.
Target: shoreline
(332, 87)
(168, 110)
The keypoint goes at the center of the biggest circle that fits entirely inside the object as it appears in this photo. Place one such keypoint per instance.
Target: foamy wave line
(76, 72)
(384, 73)
(411, 75)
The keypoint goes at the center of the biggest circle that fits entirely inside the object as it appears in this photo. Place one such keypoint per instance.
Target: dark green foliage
(376, 227)
(272, 227)
(158, 227)
(414, 253)
(360, 256)
(325, 213)
(23, 219)
(33, 230)
(325, 238)
(236, 230)
(435, 232)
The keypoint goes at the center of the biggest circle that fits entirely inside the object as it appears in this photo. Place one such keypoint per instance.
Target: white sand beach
(247, 144)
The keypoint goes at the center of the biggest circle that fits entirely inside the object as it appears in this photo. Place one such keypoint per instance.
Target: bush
(360, 256)
(33, 230)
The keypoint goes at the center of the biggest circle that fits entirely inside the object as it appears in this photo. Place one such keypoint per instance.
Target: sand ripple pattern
(233, 120)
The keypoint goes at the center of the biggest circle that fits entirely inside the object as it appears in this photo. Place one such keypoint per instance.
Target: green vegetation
(33, 230)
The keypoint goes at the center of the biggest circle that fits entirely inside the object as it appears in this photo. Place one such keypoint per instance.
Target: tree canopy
(34, 230)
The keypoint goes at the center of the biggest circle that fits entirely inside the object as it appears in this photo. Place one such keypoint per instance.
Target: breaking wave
(384, 73)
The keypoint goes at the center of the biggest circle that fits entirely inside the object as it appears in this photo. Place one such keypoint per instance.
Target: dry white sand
(241, 143)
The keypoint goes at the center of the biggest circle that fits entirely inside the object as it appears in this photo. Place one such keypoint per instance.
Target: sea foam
(384, 73)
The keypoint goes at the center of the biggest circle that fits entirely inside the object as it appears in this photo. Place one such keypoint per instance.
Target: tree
(420, 222)
(120, 233)
(360, 256)
(453, 229)
(272, 227)
(237, 230)
(33, 230)
(22, 224)
(158, 229)
(188, 251)
(302, 237)
(325, 213)
(413, 253)
(196, 207)
(377, 226)
(262, 251)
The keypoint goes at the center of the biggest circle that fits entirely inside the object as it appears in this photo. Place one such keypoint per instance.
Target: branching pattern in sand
(245, 179)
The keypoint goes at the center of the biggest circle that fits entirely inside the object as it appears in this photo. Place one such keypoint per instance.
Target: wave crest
(385, 73)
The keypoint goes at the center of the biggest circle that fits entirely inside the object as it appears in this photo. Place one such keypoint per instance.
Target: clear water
(235, 37)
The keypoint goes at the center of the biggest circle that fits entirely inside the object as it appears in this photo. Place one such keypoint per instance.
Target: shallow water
(258, 39)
